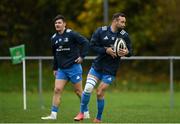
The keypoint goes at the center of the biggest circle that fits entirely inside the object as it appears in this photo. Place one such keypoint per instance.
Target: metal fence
(140, 58)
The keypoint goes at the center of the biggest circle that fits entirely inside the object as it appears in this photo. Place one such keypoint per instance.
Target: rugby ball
(119, 44)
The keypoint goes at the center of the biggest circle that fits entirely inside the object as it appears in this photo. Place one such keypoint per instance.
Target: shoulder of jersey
(104, 28)
(123, 32)
(68, 30)
(54, 35)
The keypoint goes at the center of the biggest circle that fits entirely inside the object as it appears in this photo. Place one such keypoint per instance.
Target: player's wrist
(107, 49)
(127, 51)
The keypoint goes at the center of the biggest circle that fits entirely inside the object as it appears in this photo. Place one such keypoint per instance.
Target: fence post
(40, 84)
(24, 84)
(171, 85)
(105, 11)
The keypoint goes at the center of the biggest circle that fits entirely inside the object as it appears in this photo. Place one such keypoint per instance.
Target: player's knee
(57, 90)
(90, 83)
(88, 88)
(100, 93)
(78, 92)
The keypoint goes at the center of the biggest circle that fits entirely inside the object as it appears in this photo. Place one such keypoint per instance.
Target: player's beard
(120, 29)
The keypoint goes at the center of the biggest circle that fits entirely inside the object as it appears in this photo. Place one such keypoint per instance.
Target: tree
(30, 22)
(151, 23)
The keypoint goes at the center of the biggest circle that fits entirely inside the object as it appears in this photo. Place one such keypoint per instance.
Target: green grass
(125, 107)
(134, 97)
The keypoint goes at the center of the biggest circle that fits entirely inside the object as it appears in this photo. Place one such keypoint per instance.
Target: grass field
(134, 97)
(124, 107)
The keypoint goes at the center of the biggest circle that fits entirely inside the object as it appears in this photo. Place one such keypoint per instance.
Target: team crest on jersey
(60, 39)
(66, 39)
(113, 38)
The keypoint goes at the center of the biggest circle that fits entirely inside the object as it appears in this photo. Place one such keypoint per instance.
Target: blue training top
(103, 37)
(66, 48)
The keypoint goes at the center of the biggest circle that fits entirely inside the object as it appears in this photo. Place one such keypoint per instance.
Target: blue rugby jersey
(66, 48)
(104, 37)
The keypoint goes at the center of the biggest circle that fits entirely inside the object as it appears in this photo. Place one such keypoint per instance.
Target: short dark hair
(116, 15)
(59, 17)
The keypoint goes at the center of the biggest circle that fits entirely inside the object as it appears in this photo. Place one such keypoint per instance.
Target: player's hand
(54, 72)
(111, 52)
(123, 52)
(79, 60)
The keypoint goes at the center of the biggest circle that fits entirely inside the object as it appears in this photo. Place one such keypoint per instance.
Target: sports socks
(54, 109)
(100, 107)
(84, 101)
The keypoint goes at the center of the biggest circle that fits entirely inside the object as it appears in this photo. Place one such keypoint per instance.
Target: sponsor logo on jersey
(122, 32)
(56, 42)
(106, 38)
(62, 49)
